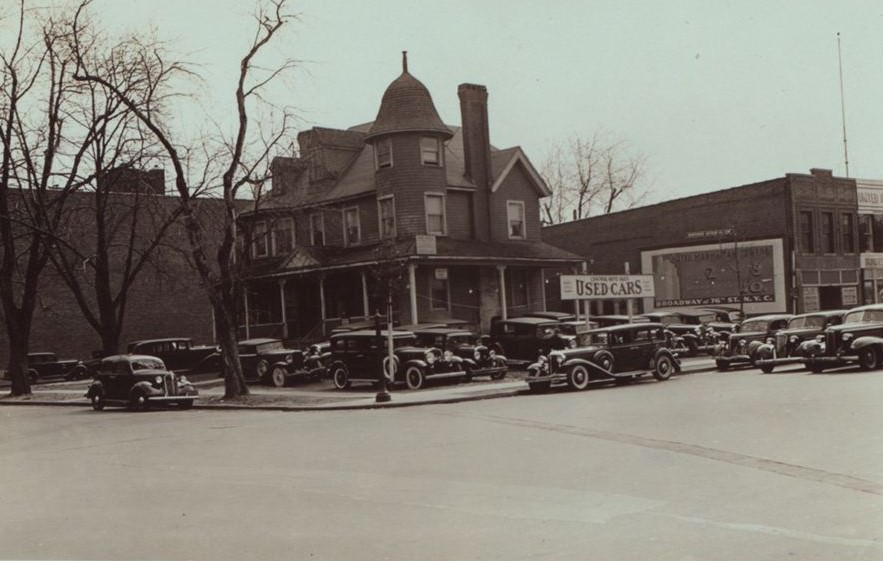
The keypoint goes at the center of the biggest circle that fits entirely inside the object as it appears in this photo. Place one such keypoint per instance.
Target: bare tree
(589, 177)
(241, 162)
(42, 153)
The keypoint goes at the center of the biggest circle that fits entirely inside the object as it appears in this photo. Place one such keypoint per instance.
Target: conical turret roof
(407, 107)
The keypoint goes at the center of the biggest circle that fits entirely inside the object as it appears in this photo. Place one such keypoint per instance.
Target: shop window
(847, 233)
(517, 288)
(352, 227)
(827, 231)
(866, 232)
(383, 153)
(317, 229)
(430, 151)
(435, 213)
(515, 216)
(386, 212)
(439, 294)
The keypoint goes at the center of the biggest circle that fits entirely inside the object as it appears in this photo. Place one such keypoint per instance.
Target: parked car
(521, 339)
(741, 346)
(45, 365)
(137, 381)
(857, 340)
(788, 345)
(557, 316)
(179, 353)
(478, 360)
(619, 353)
(268, 361)
(362, 356)
(693, 327)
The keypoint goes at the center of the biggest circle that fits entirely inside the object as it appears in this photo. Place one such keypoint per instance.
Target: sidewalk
(211, 394)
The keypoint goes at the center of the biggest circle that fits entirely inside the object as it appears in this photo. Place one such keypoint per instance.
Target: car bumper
(547, 378)
(830, 361)
(490, 371)
(778, 360)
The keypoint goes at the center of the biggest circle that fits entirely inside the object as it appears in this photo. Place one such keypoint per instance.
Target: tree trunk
(18, 332)
(234, 380)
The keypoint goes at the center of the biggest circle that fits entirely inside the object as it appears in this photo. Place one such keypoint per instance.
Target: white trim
(523, 235)
(346, 238)
(444, 213)
(439, 151)
(388, 142)
(519, 156)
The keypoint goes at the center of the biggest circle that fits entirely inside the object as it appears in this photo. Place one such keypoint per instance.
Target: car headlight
(770, 340)
(183, 380)
(542, 359)
(820, 338)
(556, 358)
(742, 342)
(448, 356)
(572, 343)
(794, 339)
(430, 357)
(847, 337)
(289, 359)
(492, 353)
(476, 355)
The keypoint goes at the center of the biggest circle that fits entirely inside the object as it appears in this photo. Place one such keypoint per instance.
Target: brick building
(460, 217)
(790, 244)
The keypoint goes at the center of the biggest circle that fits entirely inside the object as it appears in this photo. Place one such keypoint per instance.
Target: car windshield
(587, 339)
(147, 363)
(863, 316)
(807, 322)
(754, 325)
(399, 342)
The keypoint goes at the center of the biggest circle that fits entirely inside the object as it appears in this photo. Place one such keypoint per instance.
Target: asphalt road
(735, 465)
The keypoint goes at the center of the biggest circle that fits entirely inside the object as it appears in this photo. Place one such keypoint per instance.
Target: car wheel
(664, 368)
(539, 387)
(414, 377)
(607, 363)
(278, 376)
(140, 403)
(261, 368)
(578, 377)
(186, 404)
(98, 401)
(867, 359)
(767, 368)
(468, 376)
(340, 376)
(32, 376)
(692, 348)
(722, 364)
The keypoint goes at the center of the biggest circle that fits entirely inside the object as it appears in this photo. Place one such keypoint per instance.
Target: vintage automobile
(362, 356)
(137, 381)
(478, 360)
(268, 361)
(617, 354)
(45, 366)
(694, 328)
(787, 347)
(521, 338)
(178, 353)
(741, 346)
(857, 340)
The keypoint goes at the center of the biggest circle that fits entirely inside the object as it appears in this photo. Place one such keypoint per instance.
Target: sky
(714, 94)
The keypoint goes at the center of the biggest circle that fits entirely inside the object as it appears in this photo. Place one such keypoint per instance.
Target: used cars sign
(606, 287)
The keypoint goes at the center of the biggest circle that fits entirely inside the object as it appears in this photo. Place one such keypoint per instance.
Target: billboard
(722, 274)
(605, 287)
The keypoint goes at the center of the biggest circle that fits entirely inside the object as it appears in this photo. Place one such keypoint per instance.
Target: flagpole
(842, 104)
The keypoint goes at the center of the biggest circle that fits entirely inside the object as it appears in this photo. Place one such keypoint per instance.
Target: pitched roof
(407, 107)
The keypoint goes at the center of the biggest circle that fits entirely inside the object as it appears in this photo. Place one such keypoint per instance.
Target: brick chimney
(477, 151)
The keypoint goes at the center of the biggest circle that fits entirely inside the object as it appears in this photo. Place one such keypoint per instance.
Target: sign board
(425, 245)
(810, 299)
(849, 295)
(606, 287)
(441, 273)
(871, 260)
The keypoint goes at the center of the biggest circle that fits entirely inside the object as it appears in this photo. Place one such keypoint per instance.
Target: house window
(317, 228)
(259, 240)
(352, 228)
(383, 153)
(806, 233)
(515, 215)
(439, 294)
(430, 151)
(386, 212)
(846, 233)
(827, 230)
(283, 236)
(435, 213)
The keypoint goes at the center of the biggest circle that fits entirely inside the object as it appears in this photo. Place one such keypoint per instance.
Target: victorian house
(455, 218)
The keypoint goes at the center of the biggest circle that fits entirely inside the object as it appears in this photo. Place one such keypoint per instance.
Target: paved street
(735, 465)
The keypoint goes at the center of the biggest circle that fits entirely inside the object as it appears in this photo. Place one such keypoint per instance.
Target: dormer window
(383, 153)
(317, 228)
(283, 236)
(515, 215)
(430, 151)
(259, 245)
(352, 228)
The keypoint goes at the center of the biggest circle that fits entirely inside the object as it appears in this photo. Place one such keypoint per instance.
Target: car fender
(667, 353)
(415, 362)
(536, 366)
(470, 363)
(753, 346)
(500, 360)
(867, 341)
(144, 388)
(765, 351)
(96, 388)
(187, 389)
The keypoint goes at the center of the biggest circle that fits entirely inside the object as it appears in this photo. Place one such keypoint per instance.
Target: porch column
(322, 301)
(412, 282)
(284, 311)
(543, 287)
(365, 304)
(502, 270)
(245, 301)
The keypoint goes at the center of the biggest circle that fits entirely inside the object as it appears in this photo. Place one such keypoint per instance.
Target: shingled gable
(504, 161)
